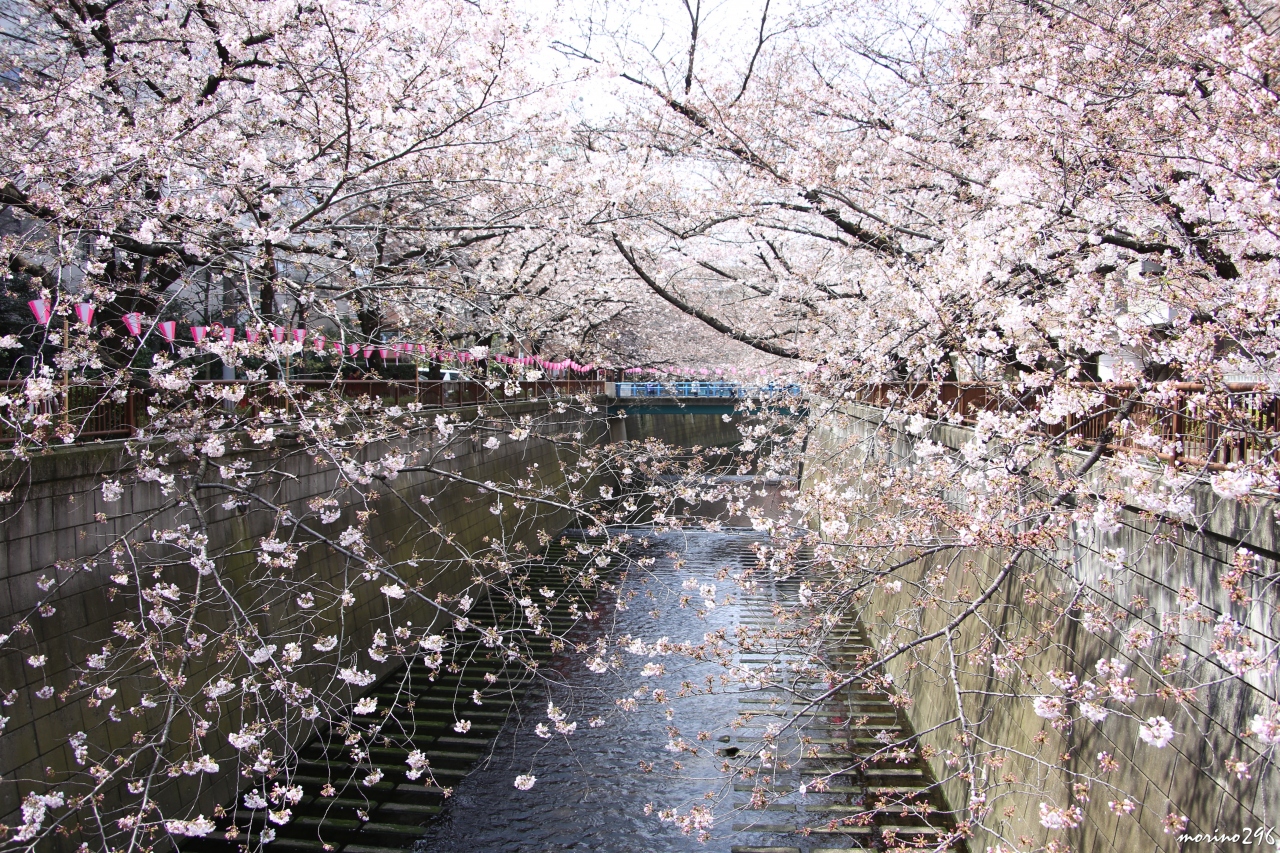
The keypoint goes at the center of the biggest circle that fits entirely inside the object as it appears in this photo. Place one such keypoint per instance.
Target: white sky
(645, 35)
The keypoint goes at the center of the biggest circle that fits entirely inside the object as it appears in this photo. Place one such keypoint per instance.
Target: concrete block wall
(1189, 774)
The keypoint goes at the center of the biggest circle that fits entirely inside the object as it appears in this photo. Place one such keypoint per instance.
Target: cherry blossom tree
(1054, 225)
(321, 193)
(1020, 256)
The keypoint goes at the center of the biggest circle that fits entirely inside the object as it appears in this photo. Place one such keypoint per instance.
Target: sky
(653, 36)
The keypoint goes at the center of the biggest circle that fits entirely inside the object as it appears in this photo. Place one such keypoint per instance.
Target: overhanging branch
(693, 311)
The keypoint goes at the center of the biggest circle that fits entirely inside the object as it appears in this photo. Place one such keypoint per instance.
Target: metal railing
(97, 411)
(1179, 422)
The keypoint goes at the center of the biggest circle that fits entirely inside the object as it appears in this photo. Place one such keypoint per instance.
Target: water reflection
(593, 787)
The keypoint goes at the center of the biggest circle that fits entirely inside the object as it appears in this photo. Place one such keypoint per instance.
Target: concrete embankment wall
(51, 531)
(57, 525)
(692, 426)
(1189, 775)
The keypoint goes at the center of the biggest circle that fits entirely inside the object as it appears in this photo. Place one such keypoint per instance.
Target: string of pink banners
(168, 330)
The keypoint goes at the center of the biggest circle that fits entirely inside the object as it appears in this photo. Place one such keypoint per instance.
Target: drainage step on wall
(390, 814)
(829, 782)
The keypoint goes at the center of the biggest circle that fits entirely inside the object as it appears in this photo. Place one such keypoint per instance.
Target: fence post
(1211, 434)
(1179, 401)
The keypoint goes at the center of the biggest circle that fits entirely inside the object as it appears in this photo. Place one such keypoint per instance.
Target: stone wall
(1189, 774)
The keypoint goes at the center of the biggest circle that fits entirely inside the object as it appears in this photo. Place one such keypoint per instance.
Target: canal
(601, 787)
(665, 732)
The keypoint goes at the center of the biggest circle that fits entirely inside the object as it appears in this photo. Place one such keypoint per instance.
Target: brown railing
(93, 411)
(1190, 424)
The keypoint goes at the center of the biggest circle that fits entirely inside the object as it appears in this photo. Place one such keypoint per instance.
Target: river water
(593, 786)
